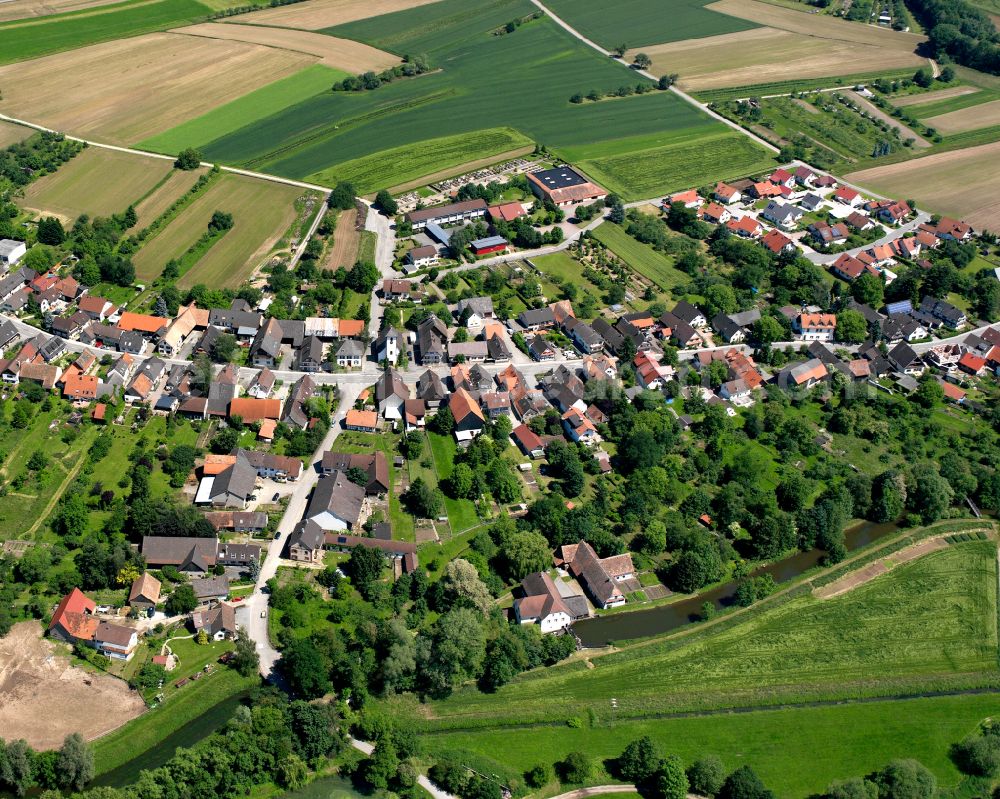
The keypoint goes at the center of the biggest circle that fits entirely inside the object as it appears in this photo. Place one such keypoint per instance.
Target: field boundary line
(57, 495)
(133, 151)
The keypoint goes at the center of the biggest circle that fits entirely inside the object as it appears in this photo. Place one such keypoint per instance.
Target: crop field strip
(243, 111)
(169, 190)
(342, 54)
(933, 96)
(637, 23)
(964, 183)
(261, 213)
(26, 9)
(647, 173)
(950, 105)
(736, 59)
(930, 624)
(104, 91)
(31, 38)
(315, 138)
(978, 116)
(96, 182)
(317, 14)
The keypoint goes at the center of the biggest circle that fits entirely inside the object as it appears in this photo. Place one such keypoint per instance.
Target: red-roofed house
(848, 196)
(80, 387)
(715, 213)
(765, 189)
(850, 268)
(73, 620)
(690, 199)
(777, 242)
(727, 194)
(745, 226)
(815, 326)
(972, 364)
(782, 177)
(952, 392)
(507, 212)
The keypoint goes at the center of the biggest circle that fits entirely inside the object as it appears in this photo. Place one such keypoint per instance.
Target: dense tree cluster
(961, 31)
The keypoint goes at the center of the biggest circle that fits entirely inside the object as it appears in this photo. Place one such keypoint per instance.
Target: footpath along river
(624, 626)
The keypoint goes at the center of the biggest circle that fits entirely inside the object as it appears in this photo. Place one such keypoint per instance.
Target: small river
(624, 626)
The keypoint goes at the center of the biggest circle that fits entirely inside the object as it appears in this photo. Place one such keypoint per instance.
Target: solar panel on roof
(903, 306)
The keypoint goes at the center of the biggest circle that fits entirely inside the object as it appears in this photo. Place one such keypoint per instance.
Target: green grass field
(246, 110)
(928, 625)
(938, 107)
(523, 80)
(401, 164)
(353, 441)
(97, 182)
(836, 742)
(640, 22)
(461, 512)
(641, 257)
(36, 37)
(692, 162)
(262, 212)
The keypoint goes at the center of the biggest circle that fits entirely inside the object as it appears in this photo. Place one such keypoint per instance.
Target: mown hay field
(973, 118)
(739, 59)
(401, 164)
(637, 23)
(838, 742)
(316, 14)
(962, 183)
(928, 624)
(246, 110)
(525, 78)
(12, 134)
(641, 257)
(97, 182)
(23, 9)
(648, 173)
(156, 202)
(262, 212)
(343, 54)
(34, 37)
(125, 91)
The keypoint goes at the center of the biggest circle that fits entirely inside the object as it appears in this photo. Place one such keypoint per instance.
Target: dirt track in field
(748, 57)
(854, 579)
(43, 698)
(316, 14)
(962, 183)
(352, 57)
(125, 91)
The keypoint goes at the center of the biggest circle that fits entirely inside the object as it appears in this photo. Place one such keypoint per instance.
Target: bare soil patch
(962, 183)
(933, 97)
(352, 57)
(746, 57)
(128, 90)
(316, 14)
(22, 9)
(43, 697)
(346, 238)
(97, 182)
(852, 580)
(972, 118)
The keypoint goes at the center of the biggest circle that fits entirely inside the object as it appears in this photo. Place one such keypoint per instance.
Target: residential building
(815, 326)
(336, 503)
(542, 604)
(599, 577)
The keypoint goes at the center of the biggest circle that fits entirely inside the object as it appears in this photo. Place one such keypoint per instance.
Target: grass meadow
(928, 625)
(640, 22)
(683, 164)
(97, 182)
(836, 742)
(246, 110)
(262, 212)
(641, 257)
(31, 38)
(524, 79)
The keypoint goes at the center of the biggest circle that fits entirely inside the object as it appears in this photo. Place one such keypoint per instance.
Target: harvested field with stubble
(346, 239)
(316, 14)
(352, 57)
(934, 96)
(44, 698)
(963, 183)
(262, 212)
(158, 201)
(128, 90)
(97, 182)
(972, 118)
(739, 59)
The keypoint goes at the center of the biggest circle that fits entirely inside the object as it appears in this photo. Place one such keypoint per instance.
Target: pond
(187, 736)
(601, 630)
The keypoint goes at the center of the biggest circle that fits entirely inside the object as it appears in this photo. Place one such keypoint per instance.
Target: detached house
(544, 605)
(815, 326)
(599, 577)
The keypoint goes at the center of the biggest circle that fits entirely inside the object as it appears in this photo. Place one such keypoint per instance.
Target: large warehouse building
(563, 185)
